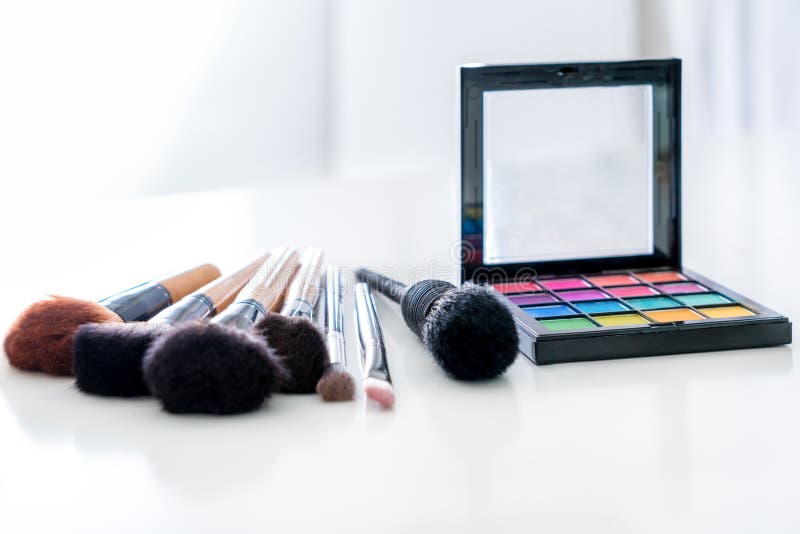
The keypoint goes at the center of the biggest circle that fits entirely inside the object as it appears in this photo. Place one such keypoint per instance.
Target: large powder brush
(40, 339)
(108, 356)
(469, 332)
(292, 332)
(221, 367)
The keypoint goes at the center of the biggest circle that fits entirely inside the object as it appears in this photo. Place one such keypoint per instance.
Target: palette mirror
(568, 173)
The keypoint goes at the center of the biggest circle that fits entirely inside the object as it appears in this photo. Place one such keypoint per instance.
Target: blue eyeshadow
(552, 310)
(601, 307)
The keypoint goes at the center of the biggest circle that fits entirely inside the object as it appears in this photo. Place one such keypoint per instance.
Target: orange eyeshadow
(676, 314)
(660, 276)
(726, 311)
(613, 280)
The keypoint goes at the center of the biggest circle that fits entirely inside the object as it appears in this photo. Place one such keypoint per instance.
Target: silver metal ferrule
(334, 316)
(298, 308)
(370, 337)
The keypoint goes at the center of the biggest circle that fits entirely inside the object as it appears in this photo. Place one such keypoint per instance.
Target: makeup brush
(469, 332)
(40, 339)
(107, 357)
(337, 383)
(293, 334)
(377, 381)
(221, 367)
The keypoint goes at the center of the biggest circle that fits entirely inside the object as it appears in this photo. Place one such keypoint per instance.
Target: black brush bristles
(107, 357)
(211, 369)
(468, 330)
(471, 334)
(300, 346)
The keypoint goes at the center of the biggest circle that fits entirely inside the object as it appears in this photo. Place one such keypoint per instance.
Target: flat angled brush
(221, 367)
(40, 339)
(108, 356)
(469, 332)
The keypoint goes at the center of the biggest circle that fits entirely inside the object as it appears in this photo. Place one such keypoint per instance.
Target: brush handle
(370, 337)
(210, 299)
(334, 316)
(223, 292)
(264, 291)
(144, 301)
(181, 284)
(304, 290)
(382, 284)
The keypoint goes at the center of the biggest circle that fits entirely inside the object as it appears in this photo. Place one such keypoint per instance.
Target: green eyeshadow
(652, 303)
(703, 299)
(575, 323)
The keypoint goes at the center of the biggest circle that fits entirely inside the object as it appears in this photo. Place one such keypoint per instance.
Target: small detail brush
(293, 334)
(377, 381)
(108, 356)
(40, 339)
(469, 332)
(337, 383)
(221, 367)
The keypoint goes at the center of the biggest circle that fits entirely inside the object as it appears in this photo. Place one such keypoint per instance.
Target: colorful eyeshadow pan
(622, 319)
(574, 323)
(669, 316)
(613, 280)
(530, 300)
(652, 303)
(553, 310)
(660, 277)
(632, 291)
(582, 294)
(683, 287)
(722, 312)
(564, 283)
(516, 287)
(703, 299)
(601, 307)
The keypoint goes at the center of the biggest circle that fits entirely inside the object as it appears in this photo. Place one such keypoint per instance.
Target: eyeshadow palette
(559, 326)
(570, 210)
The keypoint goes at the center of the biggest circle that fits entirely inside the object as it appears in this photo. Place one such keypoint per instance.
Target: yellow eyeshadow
(623, 319)
(676, 314)
(727, 311)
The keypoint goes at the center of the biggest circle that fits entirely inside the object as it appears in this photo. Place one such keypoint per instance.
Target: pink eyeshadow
(582, 294)
(564, 283)
(632, 291)
(680, 288)
(516, 287)
(528, 300)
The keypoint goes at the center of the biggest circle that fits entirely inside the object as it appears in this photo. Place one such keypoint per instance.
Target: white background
(135, 137)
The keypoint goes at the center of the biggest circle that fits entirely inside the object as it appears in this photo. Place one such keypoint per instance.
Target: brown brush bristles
(336, 384)
(301, 347)
(40, 339)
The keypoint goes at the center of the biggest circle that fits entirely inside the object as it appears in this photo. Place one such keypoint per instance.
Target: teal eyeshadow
(601, 307)
(553, 310)
(652, 303)
(703, 299)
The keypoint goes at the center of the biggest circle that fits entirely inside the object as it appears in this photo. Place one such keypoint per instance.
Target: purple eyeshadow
(681, 287)
(582, 294)
(528, 300)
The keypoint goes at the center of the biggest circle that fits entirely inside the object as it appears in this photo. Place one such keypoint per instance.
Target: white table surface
(689, 443)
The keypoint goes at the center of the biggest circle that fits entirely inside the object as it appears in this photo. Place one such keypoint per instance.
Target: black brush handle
(382, 284)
